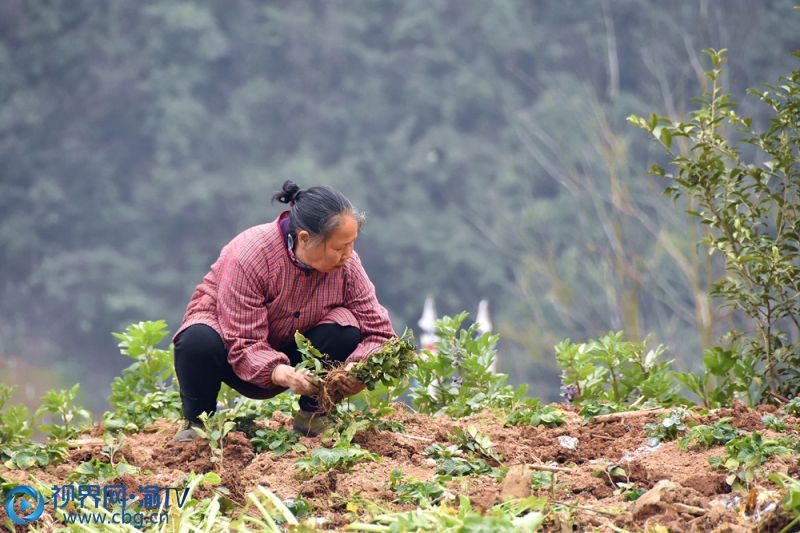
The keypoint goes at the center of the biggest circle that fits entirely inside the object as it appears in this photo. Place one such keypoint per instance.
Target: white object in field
(485, 325)
(427, 324)
(570, 443)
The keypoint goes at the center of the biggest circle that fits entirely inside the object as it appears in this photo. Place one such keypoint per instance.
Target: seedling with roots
(390, 364)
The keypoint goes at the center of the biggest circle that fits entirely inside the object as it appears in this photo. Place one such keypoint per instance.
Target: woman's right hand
(300, 382)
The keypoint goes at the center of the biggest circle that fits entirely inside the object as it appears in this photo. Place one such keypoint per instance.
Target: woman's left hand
(351, 385)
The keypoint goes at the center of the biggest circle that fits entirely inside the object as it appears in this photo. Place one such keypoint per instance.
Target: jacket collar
(288, 242)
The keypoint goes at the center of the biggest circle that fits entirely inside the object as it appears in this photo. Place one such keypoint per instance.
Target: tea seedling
(215, 428)
(69, 418)
(278, 441)
(668, 429)
(530, 412)
(720, 432)
(614, 373)
(773, 423)
(746, 454)
(472, 441)
(95, 470)
(421, 493)
(341, 458)
(457, 378)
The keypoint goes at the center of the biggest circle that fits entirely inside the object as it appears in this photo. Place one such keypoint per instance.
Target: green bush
(750, 210)
(146, 389)
(456, 378)
(611, 374)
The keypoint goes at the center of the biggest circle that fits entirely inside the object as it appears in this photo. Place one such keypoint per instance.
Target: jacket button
(297, 314)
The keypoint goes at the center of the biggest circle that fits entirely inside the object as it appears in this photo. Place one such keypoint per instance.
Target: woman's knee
(335, 340)
(349, 337)
(197, 343)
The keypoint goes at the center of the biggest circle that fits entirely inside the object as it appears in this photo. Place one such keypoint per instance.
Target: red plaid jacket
(256, 296)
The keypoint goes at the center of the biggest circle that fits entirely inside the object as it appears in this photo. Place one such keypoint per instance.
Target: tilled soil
(686, 495)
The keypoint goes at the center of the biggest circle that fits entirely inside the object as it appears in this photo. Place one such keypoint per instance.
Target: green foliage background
(487, 141)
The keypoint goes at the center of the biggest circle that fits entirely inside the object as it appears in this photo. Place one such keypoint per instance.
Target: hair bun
(289, 192)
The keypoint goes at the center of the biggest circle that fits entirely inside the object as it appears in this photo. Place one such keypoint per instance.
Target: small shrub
(720, 432)
(746, 454)
(68, 417)
(278, 441)
(98, 471)
(750, 210)
(14, 421)
(456, 378)
(530, 412)
(475, 443)
(215, 428)
(341, 458)
(667, 429)
(610, 374)
(421, 493)
(146, 389)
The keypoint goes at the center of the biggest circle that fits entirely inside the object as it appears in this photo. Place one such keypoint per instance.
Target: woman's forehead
(346, 232)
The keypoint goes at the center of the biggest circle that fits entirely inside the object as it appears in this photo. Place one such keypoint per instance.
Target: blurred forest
(486, 140)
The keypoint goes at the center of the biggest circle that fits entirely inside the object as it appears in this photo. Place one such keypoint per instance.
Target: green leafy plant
(791, 500)
(667, 429)
(452, 461)
(620, 481)
(750, 211)
(278, 441)
(32, 454)
(421, 493)
(474, 442)
(389, 366)
(341, 458)
(14, 420)
(358, 411)
(215, 428)
(145, 391)
(793, 407)
(720, 432)
(68, 417)
(456, 378)
(774, 423)
(510, 516)
(17, 450)
(273, 514)
(611, 374)
(543, 480)
(98, 471)
(746, 454)
(530, 412)
(460, 466)
(726, 376)
(244, 412)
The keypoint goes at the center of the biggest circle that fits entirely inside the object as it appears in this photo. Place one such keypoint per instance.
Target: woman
(299, 272)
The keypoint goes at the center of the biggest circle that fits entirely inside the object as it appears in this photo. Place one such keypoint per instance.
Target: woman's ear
(303, 236)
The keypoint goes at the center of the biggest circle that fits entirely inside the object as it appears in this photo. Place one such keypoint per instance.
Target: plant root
(332, 389)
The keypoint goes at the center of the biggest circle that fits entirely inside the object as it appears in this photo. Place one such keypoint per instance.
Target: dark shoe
(311, 424)
(187, 433)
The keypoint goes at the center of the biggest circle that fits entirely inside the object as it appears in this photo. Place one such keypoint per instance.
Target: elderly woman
(299, 272)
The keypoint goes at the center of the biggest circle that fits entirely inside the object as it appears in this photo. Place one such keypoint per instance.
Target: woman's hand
(350, 385)
(300, 382)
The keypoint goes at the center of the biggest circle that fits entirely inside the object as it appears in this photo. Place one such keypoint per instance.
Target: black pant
(201, 364)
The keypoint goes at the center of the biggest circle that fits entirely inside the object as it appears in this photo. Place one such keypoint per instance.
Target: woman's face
(332, 253)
